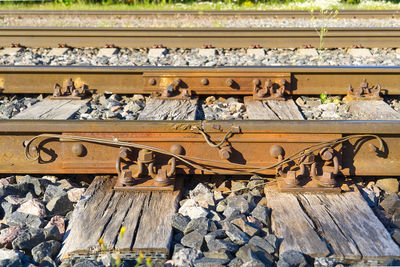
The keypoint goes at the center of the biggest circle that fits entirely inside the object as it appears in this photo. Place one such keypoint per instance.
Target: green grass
(226, 5)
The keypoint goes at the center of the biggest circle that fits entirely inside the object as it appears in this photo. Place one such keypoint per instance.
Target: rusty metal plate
(250, 147)
(211, 83)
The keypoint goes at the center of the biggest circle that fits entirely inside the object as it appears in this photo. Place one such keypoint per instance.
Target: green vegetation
(201, 5)
(326, 17)
(115, 257)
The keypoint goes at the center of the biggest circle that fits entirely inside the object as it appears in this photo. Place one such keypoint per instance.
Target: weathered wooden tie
(372, 110)
(272, 109)
(341, 226)
(160, 109)
(102, 212)
(51, 110)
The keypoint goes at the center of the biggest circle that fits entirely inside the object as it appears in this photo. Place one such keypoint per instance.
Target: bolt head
(225, 152)
(276, 151)
(326, 154)
(177, 149)
(229, 82)
(78, 150)
(204, 81)
(152, 81)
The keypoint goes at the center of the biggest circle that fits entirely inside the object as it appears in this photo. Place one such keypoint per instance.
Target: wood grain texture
(293, 226)
(339, 225)
(349, 225)
(159, 109)
(272, 109)
(372, 110)
(51, 110)
(102, 212)
(258, 110)
(156, 219)
(286, 110)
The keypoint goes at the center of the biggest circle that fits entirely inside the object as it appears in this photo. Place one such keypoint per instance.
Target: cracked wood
(102, 212)
(51, 110)
(272, 109)
(340, 225)
(159, 109)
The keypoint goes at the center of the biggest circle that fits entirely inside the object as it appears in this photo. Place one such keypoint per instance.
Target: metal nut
(225, 152)
(145, 155)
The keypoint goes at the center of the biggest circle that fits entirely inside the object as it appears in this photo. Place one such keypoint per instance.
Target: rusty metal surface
(130, 80)
(296, 127)
(241, 13)
(196, 37)
(250, 147)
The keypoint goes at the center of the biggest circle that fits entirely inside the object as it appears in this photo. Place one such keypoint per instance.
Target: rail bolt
(229, 82)
(276, 151)
(225, 152)
(204, 81)
(177, 149)
(78, 150)
(152, 81)
(145, 156)
(256, 82)
(326, 154)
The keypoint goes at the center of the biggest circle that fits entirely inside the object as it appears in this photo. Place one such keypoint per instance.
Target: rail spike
(364, 92)
(70, 91)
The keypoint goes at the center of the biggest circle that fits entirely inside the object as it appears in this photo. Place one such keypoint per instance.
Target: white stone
(11, 51)
(185, 257)
(34, 207)
(309, 52)
(10, 255)
(75, 194)
(57, 52)
(192, 209)
(157, 52)
(398, 50)
(207, 52)
(256, 52)
(359, 52)
(107, 52)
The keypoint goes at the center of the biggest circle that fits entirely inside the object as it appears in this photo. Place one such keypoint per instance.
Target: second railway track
(197, 37)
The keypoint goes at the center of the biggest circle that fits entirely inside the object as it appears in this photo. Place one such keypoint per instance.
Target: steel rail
(241, 13)
(196, 37)
(251, 146)
(132, 80)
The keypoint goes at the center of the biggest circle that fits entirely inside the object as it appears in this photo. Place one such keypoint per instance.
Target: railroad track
(148, 162)
(197, 37)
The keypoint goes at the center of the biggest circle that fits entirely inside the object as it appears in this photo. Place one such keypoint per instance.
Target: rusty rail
(201, 81)
(197, 37)
(250, 146)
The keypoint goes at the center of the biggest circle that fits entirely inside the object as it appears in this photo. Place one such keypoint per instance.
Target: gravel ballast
(123, 107)
(217, 223)
(192, 57)
(187, 21)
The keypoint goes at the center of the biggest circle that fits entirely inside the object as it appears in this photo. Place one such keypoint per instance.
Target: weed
(323, 97)
(322, 23)
(115, 257)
